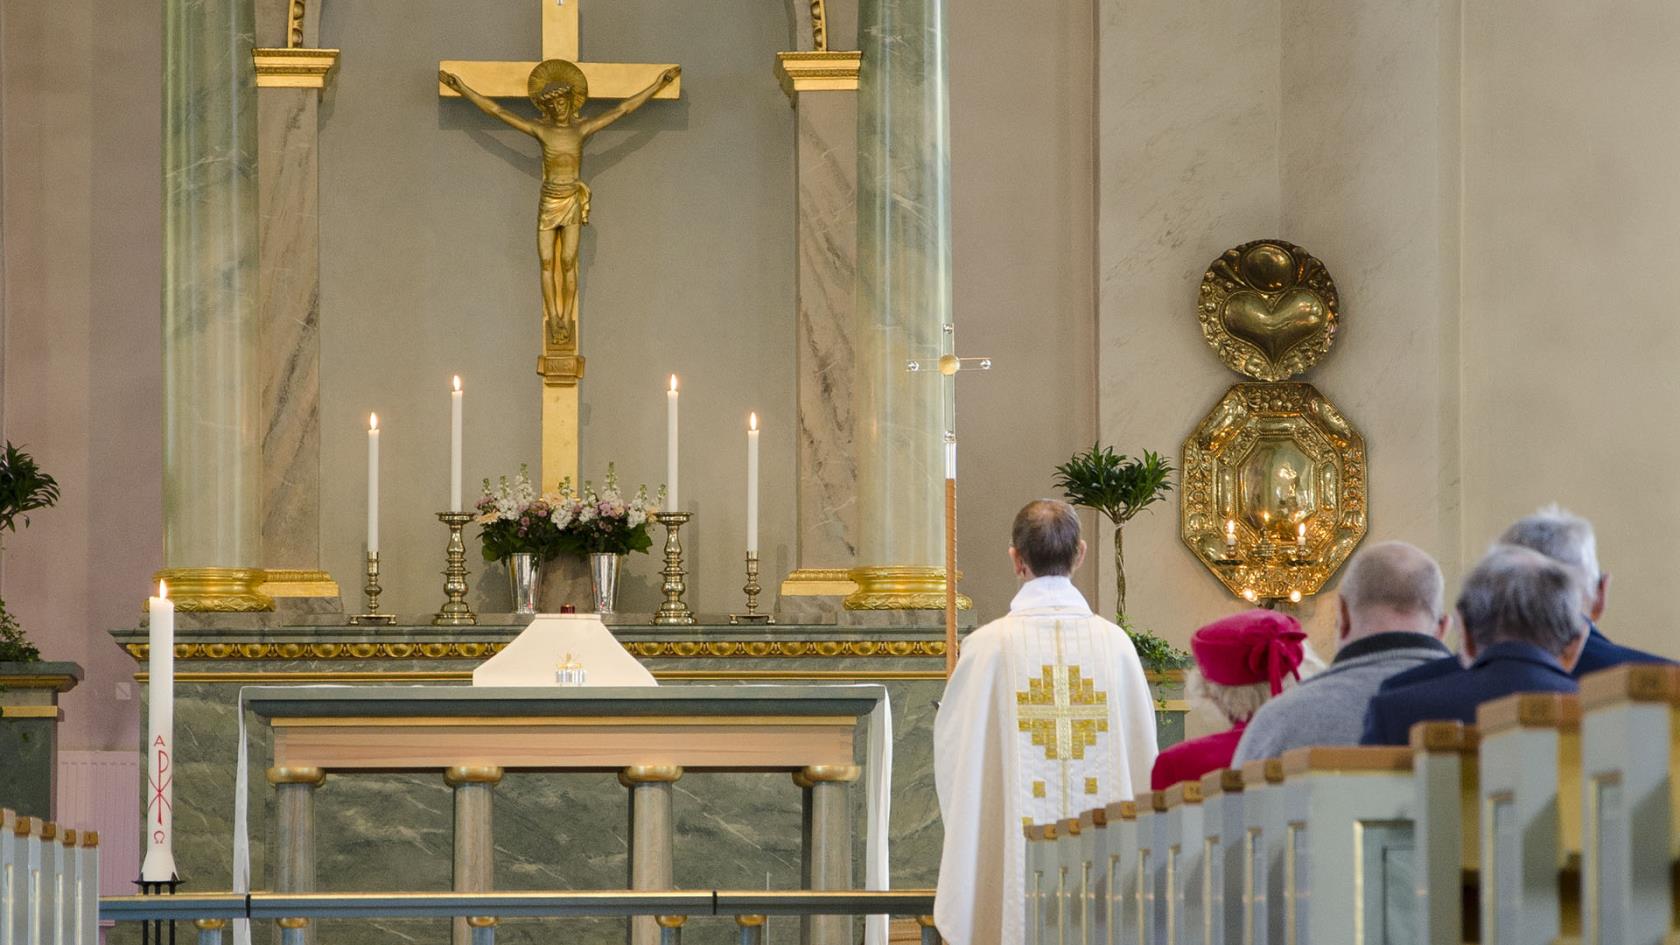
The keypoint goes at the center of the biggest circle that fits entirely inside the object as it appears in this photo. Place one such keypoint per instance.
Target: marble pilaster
(903, 291)
(288, 307)
(212, 451)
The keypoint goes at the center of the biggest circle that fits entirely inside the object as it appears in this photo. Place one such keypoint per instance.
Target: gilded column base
(901, 588)
(297, 583)
(217, 590)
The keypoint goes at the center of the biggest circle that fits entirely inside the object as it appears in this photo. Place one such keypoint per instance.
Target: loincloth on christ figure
(562, 204)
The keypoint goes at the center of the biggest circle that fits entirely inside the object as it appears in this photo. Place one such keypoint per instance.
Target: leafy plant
(24, 488)
(1120, 487)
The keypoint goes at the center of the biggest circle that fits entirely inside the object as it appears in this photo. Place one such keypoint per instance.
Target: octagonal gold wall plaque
(1273, 490)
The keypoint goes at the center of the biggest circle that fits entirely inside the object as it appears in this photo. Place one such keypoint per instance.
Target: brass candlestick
(372, 589)
(752, 588)
(455, 612)
(674, 611)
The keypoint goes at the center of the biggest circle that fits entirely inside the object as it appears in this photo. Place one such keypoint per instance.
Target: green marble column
(903, 303)
(212, 381)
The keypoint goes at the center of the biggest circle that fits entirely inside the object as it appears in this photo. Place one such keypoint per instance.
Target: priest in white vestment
(1047, 715)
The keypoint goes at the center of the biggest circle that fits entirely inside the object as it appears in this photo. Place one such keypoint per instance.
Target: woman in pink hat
(1241, 661)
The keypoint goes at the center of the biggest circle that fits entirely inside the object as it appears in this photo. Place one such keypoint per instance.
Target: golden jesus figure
(559, 89)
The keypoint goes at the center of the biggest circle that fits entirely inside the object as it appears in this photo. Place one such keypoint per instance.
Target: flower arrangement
(514, 519)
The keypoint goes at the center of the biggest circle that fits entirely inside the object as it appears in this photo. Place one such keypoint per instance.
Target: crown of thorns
(554, 77)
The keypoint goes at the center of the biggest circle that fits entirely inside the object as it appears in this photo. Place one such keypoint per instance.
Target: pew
(1070, 881)
(1152, 868)
(1444, 775)
(1530, 763)
(1222, 857)
(49, 883)
(1182, 884)
(1041, 854)
(1125, 920)
(1628, 801)
(1094, 862)
(1262, 880)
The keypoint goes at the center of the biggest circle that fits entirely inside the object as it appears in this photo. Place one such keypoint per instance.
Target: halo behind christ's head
(558, 72)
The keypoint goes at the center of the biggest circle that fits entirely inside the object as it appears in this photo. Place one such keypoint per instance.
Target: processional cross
(564, 206)
(948, 364)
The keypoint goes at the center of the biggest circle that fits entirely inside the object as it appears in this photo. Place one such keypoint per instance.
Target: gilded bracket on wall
(295, 66)
(817, 71)
(1273, 495)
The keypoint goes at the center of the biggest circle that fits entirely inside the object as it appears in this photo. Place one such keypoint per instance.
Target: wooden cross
(947, 365)
(506, 79)
(561, 368)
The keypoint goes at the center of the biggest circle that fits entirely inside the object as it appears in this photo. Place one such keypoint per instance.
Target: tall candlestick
(455, 446)
(159, 865)
(671, 447)
(752, 484)
(373, 485)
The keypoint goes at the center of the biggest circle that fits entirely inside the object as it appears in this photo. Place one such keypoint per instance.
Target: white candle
(1301, 536)
(752, 484)
(671, 447)
(951, 459)
(1230, 533)
(159, 865)
(455, 446)
(373, 484)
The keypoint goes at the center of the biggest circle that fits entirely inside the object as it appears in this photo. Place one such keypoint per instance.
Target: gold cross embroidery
(1063, 712)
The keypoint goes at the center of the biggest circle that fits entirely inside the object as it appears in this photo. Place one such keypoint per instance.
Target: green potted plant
(24, 488)
(1120, 487)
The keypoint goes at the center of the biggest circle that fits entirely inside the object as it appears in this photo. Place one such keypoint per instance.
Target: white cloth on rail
(1047, 715)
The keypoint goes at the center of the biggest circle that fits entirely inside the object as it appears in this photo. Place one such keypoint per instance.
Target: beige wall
(80, 195)
(1571, 203)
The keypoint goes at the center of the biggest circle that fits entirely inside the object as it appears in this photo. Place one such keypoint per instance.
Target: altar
(741, 828)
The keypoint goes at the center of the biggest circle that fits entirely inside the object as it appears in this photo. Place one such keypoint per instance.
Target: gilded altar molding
(297, 582)
(818, 71)
(901, 588)
(819, 582)
(295, 66)
(478, 650)
(217, 590)
(1268, 308)
(1278, 461)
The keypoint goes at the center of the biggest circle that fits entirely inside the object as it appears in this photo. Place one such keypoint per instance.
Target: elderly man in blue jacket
(1523, 630)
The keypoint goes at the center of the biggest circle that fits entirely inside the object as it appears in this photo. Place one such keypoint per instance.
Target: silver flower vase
(603, 581)
(525, 582)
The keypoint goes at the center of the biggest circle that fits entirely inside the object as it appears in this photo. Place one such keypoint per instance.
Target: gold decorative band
(649, 774)
(901, 588)
(825, 774)
(295, 582)
(296, 68)
(216, 590)
(472, 774)
(314, 777)
(478, 650)
(820, 71)
(30, 712)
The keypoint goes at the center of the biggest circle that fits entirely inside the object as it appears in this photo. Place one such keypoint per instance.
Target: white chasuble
(1047, 715)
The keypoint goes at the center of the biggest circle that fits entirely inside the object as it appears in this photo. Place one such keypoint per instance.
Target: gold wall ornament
(1269, 308)
(1273, 490)
(216, 590)
(360, 650)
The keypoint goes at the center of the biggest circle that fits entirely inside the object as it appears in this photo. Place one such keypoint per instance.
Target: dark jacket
(1501, 669)
(1598, 653)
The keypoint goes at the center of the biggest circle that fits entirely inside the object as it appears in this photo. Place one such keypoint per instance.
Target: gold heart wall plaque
(1268, 308)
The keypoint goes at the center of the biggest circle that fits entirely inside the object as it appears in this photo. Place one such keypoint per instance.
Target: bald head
(1045, 540)
(1392, 586)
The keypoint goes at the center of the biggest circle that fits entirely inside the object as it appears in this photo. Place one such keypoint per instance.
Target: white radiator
(100, 790)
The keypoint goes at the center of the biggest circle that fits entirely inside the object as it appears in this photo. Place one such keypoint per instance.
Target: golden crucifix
(558, 86)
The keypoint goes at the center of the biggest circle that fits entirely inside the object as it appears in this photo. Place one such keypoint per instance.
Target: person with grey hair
(1391, 617)
(1563, 536)
(1524, 630)
(1047, 715)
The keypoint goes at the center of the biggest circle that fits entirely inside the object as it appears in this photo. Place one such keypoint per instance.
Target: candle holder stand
(455, 612)
(372, 590)
(674, 611)
(751, 588)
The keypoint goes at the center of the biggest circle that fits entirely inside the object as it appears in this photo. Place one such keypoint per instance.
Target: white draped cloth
(1047, 715)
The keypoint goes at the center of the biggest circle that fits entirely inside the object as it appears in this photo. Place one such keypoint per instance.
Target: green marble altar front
(393, 832)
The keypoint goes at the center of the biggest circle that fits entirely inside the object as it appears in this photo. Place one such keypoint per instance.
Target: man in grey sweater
(1392, 619)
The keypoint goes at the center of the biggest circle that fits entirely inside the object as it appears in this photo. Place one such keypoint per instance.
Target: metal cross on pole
(947, 365)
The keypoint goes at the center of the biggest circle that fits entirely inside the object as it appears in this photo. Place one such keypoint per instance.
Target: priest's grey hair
(1394, 575)
(1518, 594)
(1560, 535)
(1046, 536)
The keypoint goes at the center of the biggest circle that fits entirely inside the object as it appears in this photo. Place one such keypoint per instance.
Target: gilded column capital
(649, 774)
(209, 925)
(820, 774)
(749, 921)
(481, 921)
(670, 921)
(293, 922)
(314, 777)
(456, 775)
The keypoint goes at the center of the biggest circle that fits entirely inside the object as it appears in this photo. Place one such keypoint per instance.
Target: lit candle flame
(673, 382)
(373, 421)
(1295, 597)
(752, 421)
(457, 382)
(1248, 594)
(163, 589)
